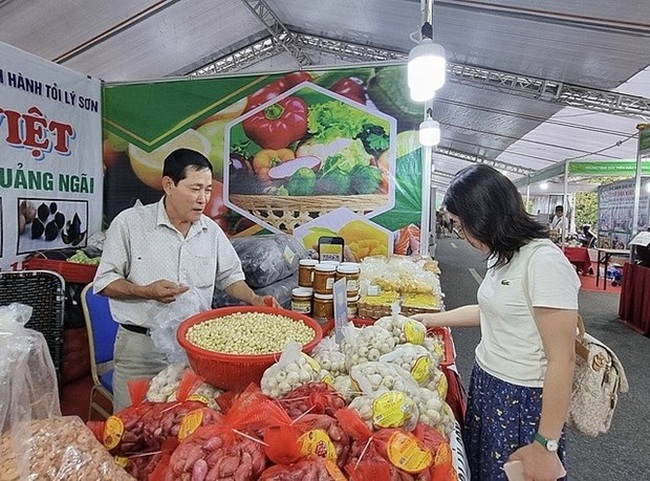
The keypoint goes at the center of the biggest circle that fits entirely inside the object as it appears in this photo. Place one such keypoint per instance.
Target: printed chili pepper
(276, 88)
(352, 88)
(279, 124)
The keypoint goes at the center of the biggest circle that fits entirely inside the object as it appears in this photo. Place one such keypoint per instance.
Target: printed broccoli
(302, 182)
(364, 179)
(333, 182)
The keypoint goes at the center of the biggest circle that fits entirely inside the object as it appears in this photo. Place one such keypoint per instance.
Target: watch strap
(543, 441)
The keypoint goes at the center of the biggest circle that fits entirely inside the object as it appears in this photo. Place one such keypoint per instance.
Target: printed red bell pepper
(352, 88)
(276, 88)
(279, 124)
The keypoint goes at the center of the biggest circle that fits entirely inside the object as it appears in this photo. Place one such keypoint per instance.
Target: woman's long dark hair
(492, 211)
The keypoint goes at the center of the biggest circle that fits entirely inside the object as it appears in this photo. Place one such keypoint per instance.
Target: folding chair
(102, 330)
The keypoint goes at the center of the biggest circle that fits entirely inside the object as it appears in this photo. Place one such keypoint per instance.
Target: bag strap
(580, 347)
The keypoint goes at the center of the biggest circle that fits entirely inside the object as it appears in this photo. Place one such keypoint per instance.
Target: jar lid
(326, 267)
(355, 264)
(308, 262)
(324, 297)
(302, 291)
(353, 299)
(348, 269)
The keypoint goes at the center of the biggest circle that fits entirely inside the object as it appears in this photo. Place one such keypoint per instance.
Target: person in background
(559, 222)
(587, 238)
(153, 254)
(521, 380)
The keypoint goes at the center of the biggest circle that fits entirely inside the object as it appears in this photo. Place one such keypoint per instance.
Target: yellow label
(121, 461)
(443, 460)
(334, 471)
(392, 409)
(421, 369)
(113, 431)
(190, 423)
(443, 386)
(408, 454)
(328, 379)
(312, 362)
(199, 398)
(317, 442)
(414, 332)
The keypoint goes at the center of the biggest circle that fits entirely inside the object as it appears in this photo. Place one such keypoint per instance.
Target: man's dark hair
(559, 208)
(178, 162)
(492, 211)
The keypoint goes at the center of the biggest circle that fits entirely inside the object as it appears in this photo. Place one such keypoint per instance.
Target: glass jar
(350, 273)
(324, 277)
(301, 300)
(353, 306)
(306, 272)
(323, 307)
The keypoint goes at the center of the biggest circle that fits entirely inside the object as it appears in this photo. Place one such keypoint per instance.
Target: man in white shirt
(559, 222)
(154, 253)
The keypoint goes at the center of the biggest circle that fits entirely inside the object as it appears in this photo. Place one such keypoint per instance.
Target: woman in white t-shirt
(527, 312)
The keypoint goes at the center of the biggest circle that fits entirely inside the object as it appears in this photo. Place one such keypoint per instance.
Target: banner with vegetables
(50, 169)
(311, 153)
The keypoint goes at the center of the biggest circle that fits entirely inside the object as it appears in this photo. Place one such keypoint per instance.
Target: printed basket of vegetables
(233, 346)
(308, 152)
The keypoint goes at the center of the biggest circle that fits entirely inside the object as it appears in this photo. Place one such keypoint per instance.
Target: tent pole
(637, 186)
(527, 191)
(565, 202)
(427, 159)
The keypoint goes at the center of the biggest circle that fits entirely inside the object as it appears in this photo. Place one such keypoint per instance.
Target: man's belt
(136, 329)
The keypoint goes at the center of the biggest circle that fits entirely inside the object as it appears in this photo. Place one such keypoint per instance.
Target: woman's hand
(427, 319)
(539, 463)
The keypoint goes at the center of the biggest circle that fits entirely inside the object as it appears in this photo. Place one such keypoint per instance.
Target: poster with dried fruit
(324, 150)
(51, 172)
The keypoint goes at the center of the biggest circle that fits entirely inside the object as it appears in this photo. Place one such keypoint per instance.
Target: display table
(604, 255)
(634, 306)
(579, 257)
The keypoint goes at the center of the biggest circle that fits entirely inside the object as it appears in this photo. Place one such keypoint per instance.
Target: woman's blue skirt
(501, 417)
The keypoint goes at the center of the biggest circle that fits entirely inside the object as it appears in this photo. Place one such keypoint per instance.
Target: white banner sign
(51, 173)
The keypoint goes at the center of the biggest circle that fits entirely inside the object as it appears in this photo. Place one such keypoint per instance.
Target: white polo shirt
(511, 346)
(142, 246)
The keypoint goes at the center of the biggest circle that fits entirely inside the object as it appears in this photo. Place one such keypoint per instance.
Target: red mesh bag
(312, 468)
(229, 448)
(396, 450)
(312, 397)
(442, 468)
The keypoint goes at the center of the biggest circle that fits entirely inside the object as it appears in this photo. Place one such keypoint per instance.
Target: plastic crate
(44, 292)
(72, 272)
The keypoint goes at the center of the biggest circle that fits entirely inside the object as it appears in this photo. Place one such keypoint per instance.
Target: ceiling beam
(280, 34)
(544, 90)
(477, 159)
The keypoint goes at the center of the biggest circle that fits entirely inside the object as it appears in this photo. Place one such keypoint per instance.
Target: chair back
(102, 328)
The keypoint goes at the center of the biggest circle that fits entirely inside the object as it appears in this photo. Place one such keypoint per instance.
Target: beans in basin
(249, 333)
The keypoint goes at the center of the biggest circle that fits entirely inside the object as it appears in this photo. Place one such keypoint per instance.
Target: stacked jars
(324, 277)
(301, 297)
(350, 272)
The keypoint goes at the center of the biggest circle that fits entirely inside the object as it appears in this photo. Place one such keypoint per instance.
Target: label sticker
(113, 431)
(421, 369)
(408, 454)
(190, 423)
(392, 409)
(317, 442)
(414, 332)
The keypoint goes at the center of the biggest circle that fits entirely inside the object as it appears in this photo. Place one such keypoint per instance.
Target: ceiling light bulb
(429, 133)
(426, 69)
(543, 185)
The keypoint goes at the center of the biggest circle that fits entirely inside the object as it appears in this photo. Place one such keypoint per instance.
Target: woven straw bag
(598, 380)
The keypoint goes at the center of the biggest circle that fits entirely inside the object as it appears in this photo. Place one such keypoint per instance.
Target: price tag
(340, 308)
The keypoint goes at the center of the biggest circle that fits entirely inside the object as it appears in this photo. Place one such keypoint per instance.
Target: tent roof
(530, 83)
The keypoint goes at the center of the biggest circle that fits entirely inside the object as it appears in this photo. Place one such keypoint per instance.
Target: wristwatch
(550, 444)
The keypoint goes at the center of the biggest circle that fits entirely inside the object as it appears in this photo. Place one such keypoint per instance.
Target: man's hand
(265, 301)
(164, 291)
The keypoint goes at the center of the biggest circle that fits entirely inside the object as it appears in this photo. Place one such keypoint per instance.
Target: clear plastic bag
(169, 317)
(365, 344)
(293, 369)
(57, 449)
(28, 384)
(267, 259)
(415, 359)
(330, 357)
